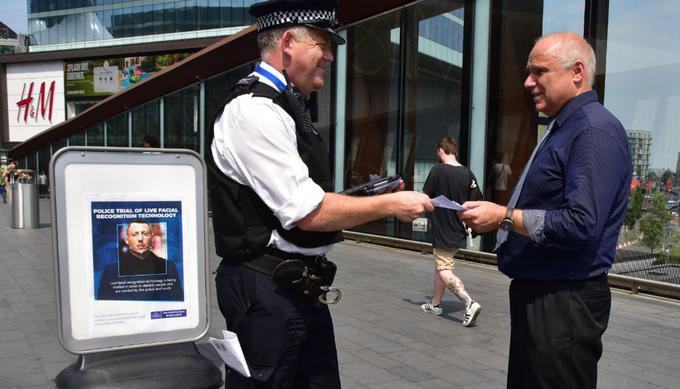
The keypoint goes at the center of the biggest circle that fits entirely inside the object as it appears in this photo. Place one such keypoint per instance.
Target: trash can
(24, 199)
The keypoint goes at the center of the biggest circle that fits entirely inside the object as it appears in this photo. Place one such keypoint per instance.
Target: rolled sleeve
(534, 222)
(305, 199)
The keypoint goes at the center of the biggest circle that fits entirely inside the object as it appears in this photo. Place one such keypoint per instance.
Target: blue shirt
(577, 187)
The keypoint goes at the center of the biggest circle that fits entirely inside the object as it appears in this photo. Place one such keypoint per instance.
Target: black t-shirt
(457, 183)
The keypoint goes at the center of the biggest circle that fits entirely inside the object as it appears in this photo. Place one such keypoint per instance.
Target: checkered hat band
(294, 17)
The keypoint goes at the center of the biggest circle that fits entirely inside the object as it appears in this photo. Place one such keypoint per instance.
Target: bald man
(557, 235)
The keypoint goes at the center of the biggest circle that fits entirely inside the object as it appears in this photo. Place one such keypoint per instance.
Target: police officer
(273, 204)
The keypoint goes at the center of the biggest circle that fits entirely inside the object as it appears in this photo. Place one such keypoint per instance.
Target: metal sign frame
(84, 178)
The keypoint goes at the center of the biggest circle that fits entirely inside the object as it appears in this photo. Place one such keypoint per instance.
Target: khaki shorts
(444, 258)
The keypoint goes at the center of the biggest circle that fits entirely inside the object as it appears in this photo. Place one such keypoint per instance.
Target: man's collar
(576, 103)
(271, 70)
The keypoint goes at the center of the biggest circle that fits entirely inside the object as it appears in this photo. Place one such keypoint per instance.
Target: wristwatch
(507, 223)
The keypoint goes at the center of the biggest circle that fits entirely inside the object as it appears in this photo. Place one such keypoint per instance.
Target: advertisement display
(35, 98)
(104, 77)
(130, 247)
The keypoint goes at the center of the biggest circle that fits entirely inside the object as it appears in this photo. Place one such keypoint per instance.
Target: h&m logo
(37, 109)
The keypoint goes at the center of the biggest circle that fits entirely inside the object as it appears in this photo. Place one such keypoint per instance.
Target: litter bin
(24, 199)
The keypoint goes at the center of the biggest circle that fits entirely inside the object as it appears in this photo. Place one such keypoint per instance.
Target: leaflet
(230, 350)
(443, 202)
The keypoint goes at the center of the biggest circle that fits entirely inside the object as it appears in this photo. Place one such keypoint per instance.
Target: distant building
(641, 150)
(9, 41)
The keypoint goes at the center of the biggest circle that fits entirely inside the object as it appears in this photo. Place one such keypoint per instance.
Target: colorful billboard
(104, 77)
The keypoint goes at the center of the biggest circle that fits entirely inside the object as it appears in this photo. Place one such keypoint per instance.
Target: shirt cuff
(534, 222)
(306, 199)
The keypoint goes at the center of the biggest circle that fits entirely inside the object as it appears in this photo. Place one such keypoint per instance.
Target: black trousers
(556, 332)
(288, 343)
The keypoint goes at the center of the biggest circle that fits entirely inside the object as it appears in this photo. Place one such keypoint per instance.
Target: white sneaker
(428, 307)
(471, 314)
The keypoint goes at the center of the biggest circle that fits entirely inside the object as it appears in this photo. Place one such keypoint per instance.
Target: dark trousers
(556, 332)
(287, 342)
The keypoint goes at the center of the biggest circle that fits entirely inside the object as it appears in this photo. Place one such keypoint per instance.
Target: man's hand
(482, 216)
(408, 206)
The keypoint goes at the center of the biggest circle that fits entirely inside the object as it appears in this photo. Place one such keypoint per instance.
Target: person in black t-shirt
(457, 183)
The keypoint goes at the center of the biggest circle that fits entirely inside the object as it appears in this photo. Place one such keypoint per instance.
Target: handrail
(633, 284)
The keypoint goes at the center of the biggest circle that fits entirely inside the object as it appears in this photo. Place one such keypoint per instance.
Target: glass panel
(117, 131)
(642, 89)
(77, 139)
(226, 12)
(148, 27)
(31, 162)
(433, 90)
(560, 15)
(137, 21)
(181, 119)
(169, 23)
(95, 135)
(43, 161)
(217, 88)
(145, 121)
(373, 76)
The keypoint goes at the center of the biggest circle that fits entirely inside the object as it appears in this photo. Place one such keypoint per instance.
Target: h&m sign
(35, 97)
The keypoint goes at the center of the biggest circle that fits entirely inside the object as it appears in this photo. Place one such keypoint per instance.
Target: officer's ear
(287, 40)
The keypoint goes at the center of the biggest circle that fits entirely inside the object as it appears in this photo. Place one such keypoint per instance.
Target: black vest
(242, 222)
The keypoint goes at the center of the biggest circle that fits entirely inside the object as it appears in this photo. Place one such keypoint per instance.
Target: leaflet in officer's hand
(443, 202)
(231, 352)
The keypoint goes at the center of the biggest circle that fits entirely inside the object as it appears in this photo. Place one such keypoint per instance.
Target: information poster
(137, 250)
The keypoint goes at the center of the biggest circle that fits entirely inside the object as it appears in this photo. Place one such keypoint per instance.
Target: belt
(273, 257)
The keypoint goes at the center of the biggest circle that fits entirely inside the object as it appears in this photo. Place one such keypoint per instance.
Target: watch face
(506, 225)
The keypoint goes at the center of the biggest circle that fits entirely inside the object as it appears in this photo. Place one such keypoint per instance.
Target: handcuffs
(312, 280)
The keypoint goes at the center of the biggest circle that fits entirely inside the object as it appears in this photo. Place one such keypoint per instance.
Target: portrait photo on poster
(137, 250)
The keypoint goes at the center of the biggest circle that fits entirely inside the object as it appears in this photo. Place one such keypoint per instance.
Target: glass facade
(405, 88)
(408, 83)
(53, 22)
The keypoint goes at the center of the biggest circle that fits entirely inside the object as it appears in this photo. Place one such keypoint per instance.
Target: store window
(405, 88)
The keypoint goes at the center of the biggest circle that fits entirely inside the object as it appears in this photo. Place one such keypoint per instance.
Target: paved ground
(384, 340)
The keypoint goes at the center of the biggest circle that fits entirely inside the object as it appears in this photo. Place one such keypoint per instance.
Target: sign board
(129, 234)
(35, 98)
(104, 77)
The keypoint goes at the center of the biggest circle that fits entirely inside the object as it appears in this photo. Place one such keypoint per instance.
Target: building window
(405, 88)
(145, 121)
(181, 119)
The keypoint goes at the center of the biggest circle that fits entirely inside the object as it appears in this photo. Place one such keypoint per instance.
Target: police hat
(319, 14)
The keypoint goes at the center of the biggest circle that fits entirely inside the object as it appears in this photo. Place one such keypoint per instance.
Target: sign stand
(129, 239)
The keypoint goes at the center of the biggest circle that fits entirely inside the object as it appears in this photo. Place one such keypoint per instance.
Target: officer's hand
(482, 216)
(408, 206)
(399, 187)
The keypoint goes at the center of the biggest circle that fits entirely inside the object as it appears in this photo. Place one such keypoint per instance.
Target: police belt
(311, 275)
(273, 257)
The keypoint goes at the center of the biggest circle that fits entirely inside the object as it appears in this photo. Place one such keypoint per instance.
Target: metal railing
(624, 275)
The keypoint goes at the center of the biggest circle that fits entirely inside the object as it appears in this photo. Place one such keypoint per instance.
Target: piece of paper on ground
(230, 350)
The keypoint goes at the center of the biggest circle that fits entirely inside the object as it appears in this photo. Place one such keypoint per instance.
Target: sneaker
(471, 314)
(428, 307)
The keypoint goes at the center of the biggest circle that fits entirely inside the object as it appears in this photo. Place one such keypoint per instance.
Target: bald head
(560, 66)
(569, 48)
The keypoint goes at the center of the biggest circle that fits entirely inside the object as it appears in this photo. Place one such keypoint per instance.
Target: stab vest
(242, 222)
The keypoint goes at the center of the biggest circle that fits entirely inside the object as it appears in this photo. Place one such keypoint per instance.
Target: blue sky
(13, 14)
